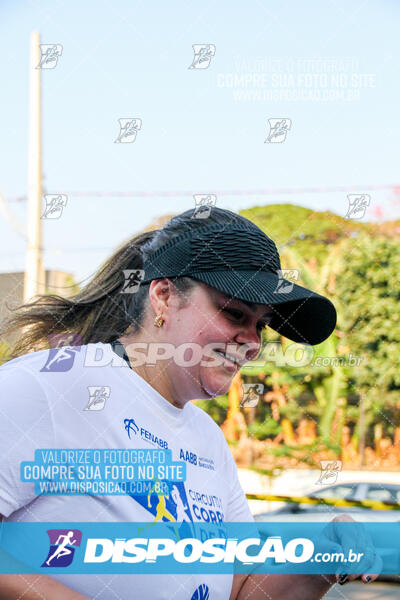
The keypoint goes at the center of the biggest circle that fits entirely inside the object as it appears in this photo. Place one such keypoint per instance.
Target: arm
(35, 587)
(24, 407)
(281, 587)
(32, 587)
(297, 587)
(258, 586)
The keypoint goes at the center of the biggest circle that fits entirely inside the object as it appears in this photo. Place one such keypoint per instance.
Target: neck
(155, 375)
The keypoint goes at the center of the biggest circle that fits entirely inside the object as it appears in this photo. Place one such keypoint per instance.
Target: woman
(197, 284)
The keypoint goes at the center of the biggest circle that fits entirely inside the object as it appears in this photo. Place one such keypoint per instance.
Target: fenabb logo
(62, 547)
(191, 550)
(132, 428)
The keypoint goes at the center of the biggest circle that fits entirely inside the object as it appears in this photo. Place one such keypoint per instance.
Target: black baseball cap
(240, 260)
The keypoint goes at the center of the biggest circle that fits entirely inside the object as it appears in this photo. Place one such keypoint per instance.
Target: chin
(216, 386)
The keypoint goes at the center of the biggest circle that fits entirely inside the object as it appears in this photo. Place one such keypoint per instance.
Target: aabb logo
(62, 547)
(187, 456)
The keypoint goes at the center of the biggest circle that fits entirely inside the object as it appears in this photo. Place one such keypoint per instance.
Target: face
(221, 326)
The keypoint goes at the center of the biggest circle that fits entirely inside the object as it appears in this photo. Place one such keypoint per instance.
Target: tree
(367, 288)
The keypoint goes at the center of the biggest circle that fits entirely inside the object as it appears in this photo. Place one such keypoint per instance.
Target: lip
(228, 364)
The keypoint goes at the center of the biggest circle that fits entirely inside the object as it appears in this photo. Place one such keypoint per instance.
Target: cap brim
(299, 314)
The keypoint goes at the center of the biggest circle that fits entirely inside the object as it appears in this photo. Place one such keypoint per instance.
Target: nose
(251, 337)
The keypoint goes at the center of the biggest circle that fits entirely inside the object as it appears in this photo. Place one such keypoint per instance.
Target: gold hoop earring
(158, 321)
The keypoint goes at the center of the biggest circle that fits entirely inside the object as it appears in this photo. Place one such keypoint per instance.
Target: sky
(330, 68)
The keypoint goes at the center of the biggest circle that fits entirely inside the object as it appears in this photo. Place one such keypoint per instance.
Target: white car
(382, 492)
(303, 512)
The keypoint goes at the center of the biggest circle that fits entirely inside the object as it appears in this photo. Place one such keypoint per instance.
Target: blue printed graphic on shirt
(201, 593)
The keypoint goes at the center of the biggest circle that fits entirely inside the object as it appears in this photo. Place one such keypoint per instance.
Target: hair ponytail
(98, 313)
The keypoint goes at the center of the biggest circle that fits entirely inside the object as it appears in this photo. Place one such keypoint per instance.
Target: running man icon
(98, 396)
(59, 355)
(60, 359)
(61, 550)
(161, 508)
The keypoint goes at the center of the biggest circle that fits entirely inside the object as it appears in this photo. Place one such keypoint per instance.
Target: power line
(260, 192)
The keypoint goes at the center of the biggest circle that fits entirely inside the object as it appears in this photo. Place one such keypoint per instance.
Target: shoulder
(23, 371)
(62, 359)
(30, 360)
(24, 396)
(36, 370)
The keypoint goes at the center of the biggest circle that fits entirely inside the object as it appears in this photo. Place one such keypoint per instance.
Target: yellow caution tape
(374, 504)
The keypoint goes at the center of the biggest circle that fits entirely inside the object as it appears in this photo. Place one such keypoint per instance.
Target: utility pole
(34, 274)
(362, 430)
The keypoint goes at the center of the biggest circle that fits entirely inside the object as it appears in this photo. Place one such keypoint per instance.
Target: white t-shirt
(80, 397)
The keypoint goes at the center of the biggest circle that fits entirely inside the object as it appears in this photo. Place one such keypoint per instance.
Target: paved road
(362, 591)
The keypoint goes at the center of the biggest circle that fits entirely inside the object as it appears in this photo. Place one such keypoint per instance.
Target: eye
(237, 314)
